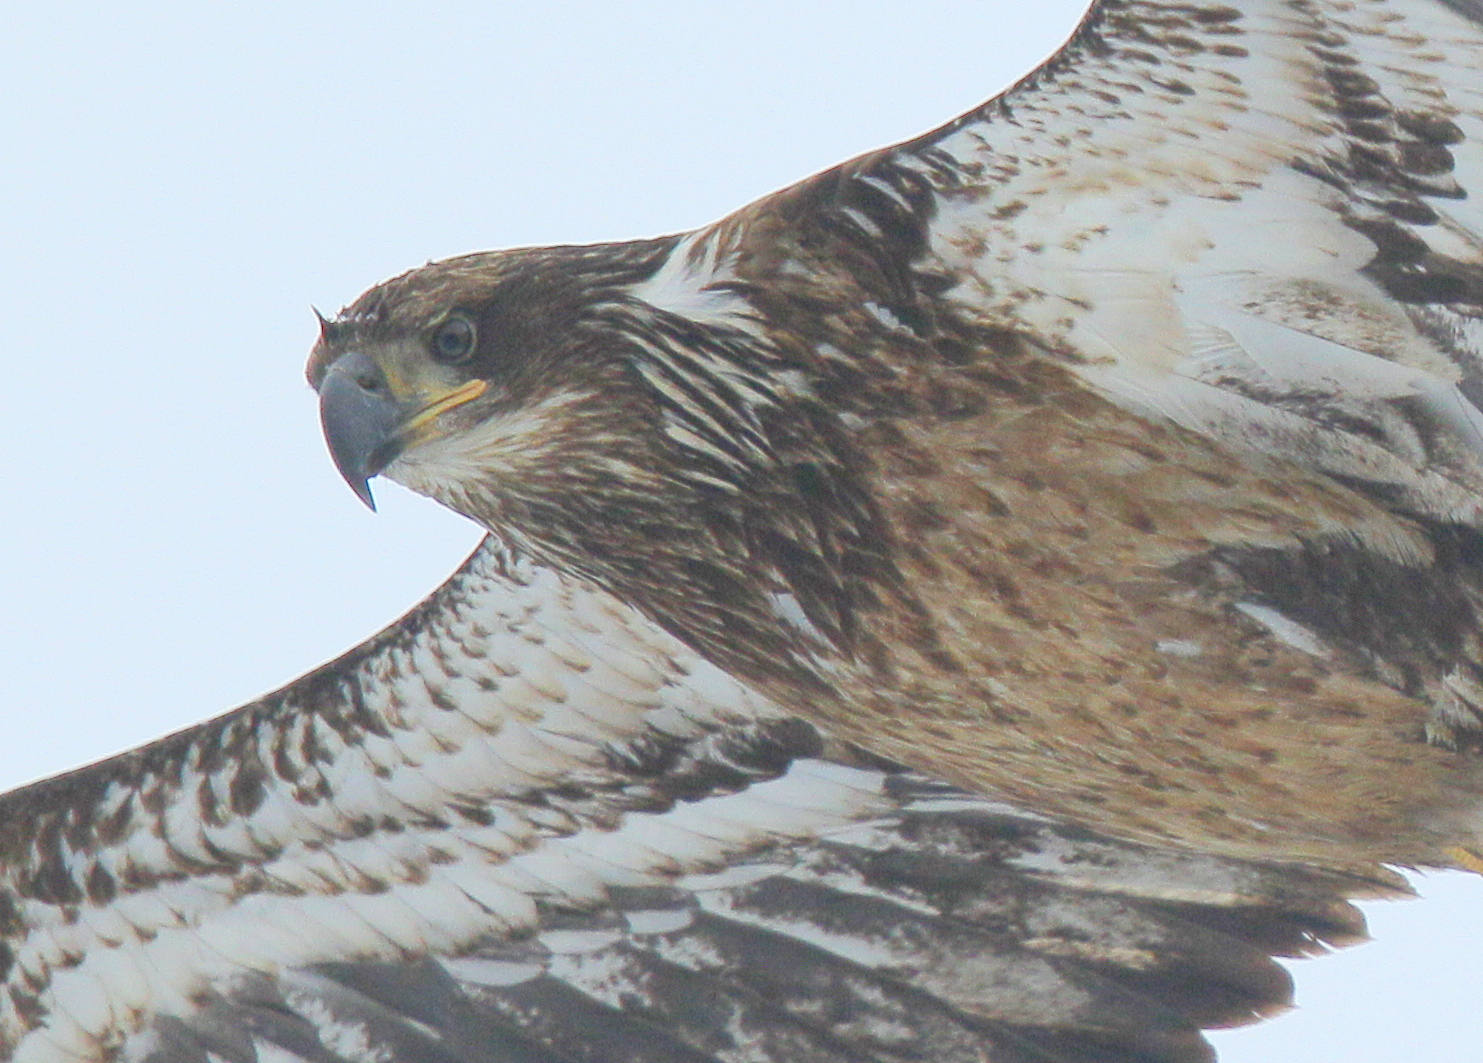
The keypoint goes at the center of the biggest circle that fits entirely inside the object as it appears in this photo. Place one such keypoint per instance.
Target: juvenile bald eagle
(983, 601)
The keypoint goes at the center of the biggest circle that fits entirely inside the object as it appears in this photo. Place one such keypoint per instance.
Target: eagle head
(495, 383)
(619, 414)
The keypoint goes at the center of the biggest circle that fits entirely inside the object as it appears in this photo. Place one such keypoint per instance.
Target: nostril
(358, 372)
(370, 379)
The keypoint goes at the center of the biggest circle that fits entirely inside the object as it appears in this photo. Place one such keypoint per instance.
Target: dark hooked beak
(361, 419)
(367, 425)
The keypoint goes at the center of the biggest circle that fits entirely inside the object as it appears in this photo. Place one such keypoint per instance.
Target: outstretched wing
(525, 824)
(946, 929)
(1262, 226)
(1254, 220)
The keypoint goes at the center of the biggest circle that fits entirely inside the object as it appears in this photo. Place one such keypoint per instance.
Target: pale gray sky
(182, 181)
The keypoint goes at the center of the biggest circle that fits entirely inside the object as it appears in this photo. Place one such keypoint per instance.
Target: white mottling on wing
(885, 316)
(731, 877)
(570, 942)
(347, 1038)
(887, 189)
(863, 221)
(271, 1053)
(786, 608)
(495, 973)
(1288, 630)
(1179, 647)
(659, 920)
(970, 803)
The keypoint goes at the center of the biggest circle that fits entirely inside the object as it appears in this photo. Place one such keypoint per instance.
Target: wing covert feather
(650, 864)
(1252, 221)
(1255, 221)
(947, 923)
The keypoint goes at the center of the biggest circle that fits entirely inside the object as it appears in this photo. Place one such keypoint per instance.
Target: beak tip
(360, 422)
(363, 492)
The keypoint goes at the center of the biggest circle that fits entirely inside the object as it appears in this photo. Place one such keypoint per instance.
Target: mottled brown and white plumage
(983, 601)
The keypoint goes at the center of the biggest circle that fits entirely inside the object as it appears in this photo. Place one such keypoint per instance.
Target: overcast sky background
(182, 181)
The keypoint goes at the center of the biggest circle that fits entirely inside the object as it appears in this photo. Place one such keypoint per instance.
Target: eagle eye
(454, 340)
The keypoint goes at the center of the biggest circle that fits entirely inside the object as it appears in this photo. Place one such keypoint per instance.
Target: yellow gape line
(457, 397)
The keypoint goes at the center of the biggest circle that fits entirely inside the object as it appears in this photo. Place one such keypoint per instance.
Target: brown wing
(1157, 371)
